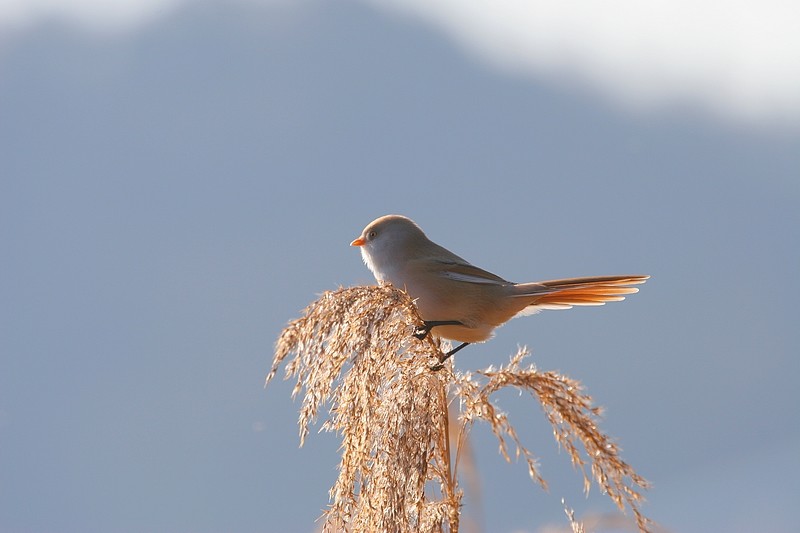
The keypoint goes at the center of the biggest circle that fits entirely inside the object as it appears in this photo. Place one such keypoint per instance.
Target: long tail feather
(564, 293)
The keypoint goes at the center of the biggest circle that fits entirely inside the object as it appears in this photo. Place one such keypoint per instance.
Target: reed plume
(355, 355)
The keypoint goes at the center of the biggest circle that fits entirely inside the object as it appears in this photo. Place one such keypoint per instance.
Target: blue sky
(178, 182)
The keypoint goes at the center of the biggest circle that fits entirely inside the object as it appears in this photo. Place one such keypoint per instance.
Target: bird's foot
(440, 365)
(422, 331)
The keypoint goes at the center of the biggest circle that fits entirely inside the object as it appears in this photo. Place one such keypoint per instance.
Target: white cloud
(97, 14)
(738, 58)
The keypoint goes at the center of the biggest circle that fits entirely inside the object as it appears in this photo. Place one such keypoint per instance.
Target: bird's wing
(463, 271)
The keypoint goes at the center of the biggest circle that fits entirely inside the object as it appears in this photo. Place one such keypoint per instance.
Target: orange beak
(358, 242)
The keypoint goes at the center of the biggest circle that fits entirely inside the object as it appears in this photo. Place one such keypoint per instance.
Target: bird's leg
(446, 356)
(422, 331)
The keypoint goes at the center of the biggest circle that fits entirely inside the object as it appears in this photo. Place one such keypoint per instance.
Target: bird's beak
(358, 242)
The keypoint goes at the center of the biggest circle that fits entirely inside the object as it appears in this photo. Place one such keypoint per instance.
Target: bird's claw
(421, 332)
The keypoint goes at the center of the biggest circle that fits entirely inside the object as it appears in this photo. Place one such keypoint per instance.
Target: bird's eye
(371, 234)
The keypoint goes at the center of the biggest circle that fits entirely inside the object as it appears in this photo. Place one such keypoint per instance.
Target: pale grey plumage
(448, 288)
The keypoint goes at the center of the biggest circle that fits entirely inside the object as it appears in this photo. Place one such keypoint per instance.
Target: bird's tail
(564, 293)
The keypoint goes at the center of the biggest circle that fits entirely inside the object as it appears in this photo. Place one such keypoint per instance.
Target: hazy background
(178, 180)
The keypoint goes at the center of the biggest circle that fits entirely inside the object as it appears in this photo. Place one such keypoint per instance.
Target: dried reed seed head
(354, 351)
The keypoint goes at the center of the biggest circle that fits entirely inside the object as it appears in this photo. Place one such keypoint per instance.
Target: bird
(462, 302)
